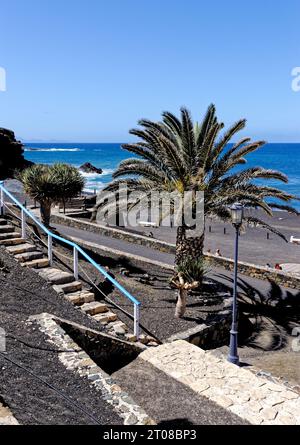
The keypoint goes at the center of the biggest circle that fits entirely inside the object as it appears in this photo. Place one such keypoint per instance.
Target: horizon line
(105, 142)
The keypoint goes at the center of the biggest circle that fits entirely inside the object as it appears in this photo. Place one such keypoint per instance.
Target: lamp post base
(234, 360)
(233, 348)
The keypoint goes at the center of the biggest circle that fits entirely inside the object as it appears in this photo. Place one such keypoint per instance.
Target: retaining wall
(252, 270)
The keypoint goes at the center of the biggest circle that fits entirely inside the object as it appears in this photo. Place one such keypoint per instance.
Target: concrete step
(144, 339)
(56, 276)
(69, 288)
(36, 264)
(130, 337)
(3, 222)
(4, 236)
(105, 318)
(117, 328)
(7, 229)
(81, 297)
(119, 324)
(12, 241)
(29, 256)
(94, 308)
(21, 248)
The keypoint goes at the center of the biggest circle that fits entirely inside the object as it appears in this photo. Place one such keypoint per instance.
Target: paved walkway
(238, 390)
(151, 254)
(256, 245)
(168, 401)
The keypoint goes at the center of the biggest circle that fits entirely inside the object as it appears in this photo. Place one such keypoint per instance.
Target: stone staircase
(64, 284)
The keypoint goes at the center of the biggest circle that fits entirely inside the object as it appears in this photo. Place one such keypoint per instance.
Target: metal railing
(76, 251)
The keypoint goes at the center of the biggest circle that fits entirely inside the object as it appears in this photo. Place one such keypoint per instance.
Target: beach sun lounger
(294, 240)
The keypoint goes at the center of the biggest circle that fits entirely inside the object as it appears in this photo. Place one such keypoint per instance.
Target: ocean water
(104, 156)
(282, 156)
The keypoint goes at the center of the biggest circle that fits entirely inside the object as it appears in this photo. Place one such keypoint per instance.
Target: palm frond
(176, 154)
(261, 223)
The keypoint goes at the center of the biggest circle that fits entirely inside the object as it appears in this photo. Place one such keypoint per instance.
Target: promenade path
(151, 254)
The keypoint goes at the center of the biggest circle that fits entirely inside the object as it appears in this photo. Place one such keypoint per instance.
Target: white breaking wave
(92, 186)
(53, 149)
(107, 171)
(89, 175)
(95, 176)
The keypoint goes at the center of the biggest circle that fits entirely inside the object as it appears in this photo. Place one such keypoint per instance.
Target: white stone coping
(238, 390)
(6, 416)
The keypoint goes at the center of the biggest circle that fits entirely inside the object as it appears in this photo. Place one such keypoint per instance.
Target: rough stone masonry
(251, 397)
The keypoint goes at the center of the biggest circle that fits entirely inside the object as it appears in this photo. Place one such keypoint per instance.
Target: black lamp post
(237, 213)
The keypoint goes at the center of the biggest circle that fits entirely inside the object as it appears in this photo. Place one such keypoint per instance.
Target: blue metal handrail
(76, 248)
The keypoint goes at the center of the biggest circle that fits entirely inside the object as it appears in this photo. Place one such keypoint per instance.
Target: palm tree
(50, 184)
(184, 281)
(177, 155)
(68, 180)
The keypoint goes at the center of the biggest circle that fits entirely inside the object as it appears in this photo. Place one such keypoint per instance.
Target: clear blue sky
(88, 70)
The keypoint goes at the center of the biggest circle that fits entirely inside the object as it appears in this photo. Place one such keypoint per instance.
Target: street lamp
(237, 213)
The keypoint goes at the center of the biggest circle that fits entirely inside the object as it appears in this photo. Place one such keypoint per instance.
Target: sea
(281, 156)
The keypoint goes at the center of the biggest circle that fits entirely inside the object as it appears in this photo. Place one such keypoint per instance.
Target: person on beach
(278, 267)
(218, 252)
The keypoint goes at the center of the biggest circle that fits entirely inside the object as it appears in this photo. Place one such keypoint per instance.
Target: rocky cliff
(11, 154)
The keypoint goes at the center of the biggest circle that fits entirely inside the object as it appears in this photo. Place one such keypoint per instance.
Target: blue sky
(88, 70)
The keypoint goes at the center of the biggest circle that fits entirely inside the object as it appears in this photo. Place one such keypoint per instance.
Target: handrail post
(50, 252)
(137, 321)
(75, 261)
(23, 224)
(2, 201)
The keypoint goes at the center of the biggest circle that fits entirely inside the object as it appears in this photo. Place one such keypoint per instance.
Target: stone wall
(252, 270)
(255, 271)
(107, 352)
(113, 232)
(207, 336)
(78, 361)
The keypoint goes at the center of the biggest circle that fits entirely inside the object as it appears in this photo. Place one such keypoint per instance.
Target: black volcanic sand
(24, 293)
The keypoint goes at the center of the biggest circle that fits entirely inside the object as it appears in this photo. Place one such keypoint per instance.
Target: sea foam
(52, 149)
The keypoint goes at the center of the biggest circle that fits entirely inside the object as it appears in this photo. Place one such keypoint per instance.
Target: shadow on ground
(273, 313)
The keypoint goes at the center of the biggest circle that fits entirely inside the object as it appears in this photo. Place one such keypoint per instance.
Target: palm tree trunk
(45, 212)
(191, 247)
(181, 303)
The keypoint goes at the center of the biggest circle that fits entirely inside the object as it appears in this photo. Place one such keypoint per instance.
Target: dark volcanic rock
(11, 154)
(89, 168)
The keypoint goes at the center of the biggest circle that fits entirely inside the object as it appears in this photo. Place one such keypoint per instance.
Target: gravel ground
(30, 400)
(157, 299)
